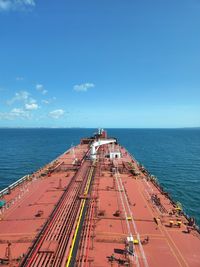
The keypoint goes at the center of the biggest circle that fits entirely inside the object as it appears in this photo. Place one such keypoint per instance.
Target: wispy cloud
(31, 106)
(56, 114)
(41, 89)
(25, 99)
(83, 87)
(31, 100)
(18, 112)
(45, 101)
(19, 96)
(15, 113)
(48, 101)
(6, 5)
(19, 78)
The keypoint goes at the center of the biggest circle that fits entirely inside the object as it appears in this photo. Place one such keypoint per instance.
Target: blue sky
(99, 63)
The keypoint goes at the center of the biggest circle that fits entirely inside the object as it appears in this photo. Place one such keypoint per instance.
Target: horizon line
(76, 127)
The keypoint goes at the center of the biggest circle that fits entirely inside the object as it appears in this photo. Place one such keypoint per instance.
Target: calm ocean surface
(173, 155)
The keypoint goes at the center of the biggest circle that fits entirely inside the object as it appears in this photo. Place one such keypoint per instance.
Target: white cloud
(18, 112)
(6, 5)
(14, 113)
(56, 114)
(19, 78)
(83, 87)
(27, 2)
(44, 92)
(20, 96)
(32, 100)
(31, 106)
(24, 98)
(46, 101)
(41, 89)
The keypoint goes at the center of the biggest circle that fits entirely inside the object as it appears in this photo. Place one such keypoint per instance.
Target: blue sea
(172, 155)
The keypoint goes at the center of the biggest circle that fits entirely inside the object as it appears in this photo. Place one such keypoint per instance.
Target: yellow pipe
(79, 218)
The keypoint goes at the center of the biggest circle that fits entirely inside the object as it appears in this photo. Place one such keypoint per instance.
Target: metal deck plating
(94, 206)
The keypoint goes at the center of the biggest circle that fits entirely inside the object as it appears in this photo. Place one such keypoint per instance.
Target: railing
(13, 185)
(6, 190)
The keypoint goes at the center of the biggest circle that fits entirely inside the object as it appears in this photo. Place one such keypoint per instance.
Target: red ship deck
(78, 212)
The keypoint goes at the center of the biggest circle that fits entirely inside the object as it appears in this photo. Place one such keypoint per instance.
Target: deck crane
(96, 144)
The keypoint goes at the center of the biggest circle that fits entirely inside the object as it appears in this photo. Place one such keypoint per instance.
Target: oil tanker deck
(95, 205)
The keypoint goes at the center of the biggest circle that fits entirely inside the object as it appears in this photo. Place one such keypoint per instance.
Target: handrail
(13, 185)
